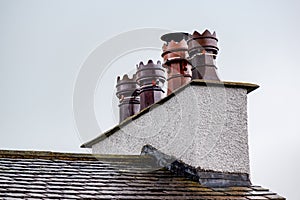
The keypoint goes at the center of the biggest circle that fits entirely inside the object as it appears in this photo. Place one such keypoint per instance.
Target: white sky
(43, 45)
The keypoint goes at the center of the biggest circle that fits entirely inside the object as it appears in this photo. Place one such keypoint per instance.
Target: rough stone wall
(203, 126)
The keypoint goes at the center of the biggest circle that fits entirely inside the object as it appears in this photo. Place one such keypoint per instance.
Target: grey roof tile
(70, 196)
(75, 176)
(86, 196)
(36, 195)
(13, 194)
(275, 196)
(52, 195)
(257, 198)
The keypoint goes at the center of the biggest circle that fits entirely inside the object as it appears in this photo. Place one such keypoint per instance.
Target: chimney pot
(175, 60)
(150, 78)
(127, 92)
(203, 50)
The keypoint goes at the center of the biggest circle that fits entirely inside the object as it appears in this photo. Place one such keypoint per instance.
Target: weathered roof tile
(32, 175)
(257, 198)
(275, 196)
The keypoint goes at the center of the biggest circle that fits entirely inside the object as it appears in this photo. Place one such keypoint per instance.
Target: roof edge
(47, 155)
(229, 84)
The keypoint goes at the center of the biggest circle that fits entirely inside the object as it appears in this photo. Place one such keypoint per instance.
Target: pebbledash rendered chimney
(127, 92)
(175, 53)
(150, 78)
(204, 125)
(203, 51)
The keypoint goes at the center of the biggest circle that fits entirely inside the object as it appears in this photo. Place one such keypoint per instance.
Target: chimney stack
(127, 92)
(175, 60)
(150, 78)
(205, 127)
(203, 51)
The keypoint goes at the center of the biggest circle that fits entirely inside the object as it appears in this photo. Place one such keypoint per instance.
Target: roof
(48, 175)
(248, 86)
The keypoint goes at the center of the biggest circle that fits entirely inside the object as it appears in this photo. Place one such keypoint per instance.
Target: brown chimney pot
(175, 60)
(127, 92)
(150, 78)
(203, 50)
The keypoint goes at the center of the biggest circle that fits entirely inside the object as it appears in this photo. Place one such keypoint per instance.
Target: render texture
(204, 126)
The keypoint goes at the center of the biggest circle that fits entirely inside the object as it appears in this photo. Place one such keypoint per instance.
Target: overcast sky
(44, 45)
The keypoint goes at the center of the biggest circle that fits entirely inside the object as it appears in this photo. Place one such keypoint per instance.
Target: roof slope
(47, 175)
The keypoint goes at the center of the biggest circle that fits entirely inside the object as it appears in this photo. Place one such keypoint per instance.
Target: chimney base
(204, 67)
(150, 95)
(128, 107)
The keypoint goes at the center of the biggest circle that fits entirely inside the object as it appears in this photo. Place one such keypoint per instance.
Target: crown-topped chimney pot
(150, 78)
(127, 92)
(175, 54)
(203, 50)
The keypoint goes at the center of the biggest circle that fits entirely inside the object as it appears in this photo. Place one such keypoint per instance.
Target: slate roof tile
(257, 198)
(34, 175)
(274, 196)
